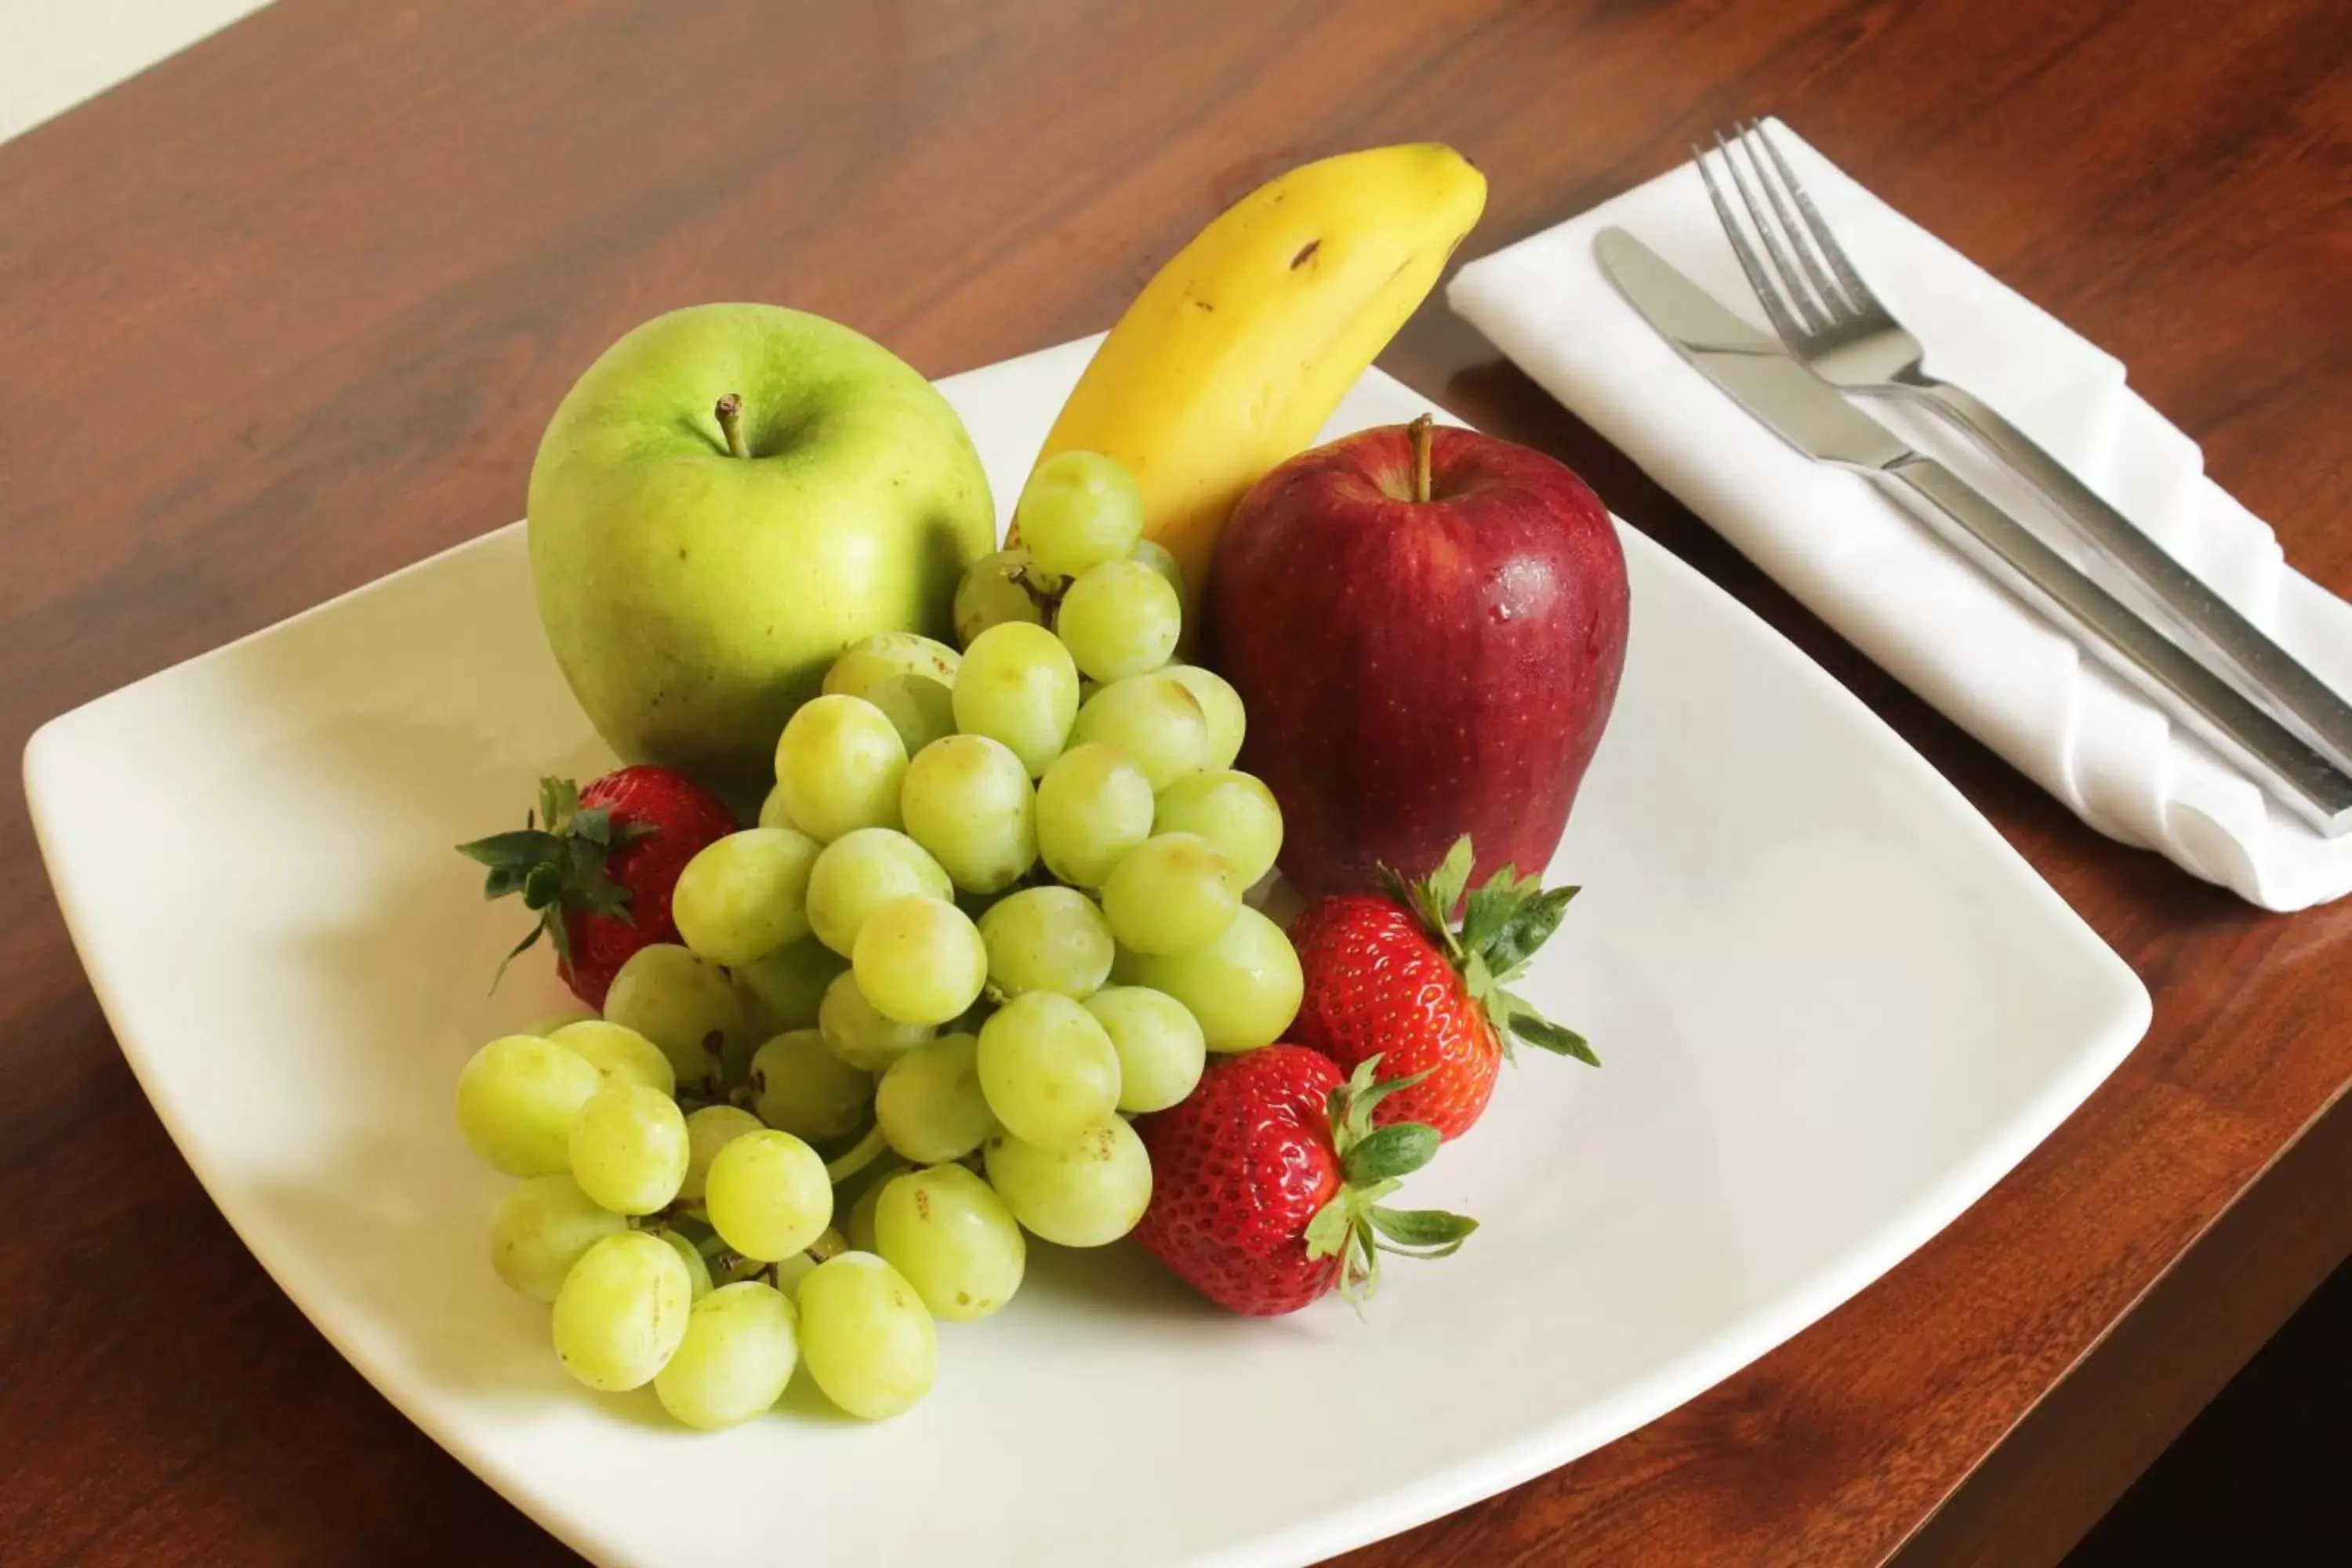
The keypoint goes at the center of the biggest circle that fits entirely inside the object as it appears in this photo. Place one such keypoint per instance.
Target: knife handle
(2283, 763)
(2262, 668)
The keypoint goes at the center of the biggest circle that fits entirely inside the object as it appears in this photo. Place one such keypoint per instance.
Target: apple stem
(1419, 430)
(730, 420)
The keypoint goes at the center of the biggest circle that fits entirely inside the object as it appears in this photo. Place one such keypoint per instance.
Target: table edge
(2109, 1415)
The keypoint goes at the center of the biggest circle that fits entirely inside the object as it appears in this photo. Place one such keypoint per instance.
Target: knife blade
(1783, 395)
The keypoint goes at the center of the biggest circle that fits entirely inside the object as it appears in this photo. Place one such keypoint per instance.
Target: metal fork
(1829, 318)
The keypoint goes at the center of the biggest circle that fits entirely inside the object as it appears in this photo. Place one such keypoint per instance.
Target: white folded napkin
(1874, 572)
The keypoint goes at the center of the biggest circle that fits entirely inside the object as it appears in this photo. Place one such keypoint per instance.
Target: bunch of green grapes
(676, 1237)
(993, 907)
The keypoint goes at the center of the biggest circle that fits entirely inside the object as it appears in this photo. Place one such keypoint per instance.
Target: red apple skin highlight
(1415, 670)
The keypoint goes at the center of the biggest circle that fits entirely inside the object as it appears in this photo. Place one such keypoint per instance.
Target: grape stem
(1047, 599)
(870, 1147)
(730, 422)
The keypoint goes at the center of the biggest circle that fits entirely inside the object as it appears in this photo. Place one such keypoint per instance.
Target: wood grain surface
(288, 312)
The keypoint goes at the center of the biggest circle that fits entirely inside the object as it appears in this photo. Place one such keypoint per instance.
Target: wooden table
(288, 312)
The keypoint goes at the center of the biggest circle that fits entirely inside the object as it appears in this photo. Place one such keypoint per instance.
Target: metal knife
(1814, 417)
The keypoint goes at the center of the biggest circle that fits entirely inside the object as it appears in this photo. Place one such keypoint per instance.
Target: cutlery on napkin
(1875, 574)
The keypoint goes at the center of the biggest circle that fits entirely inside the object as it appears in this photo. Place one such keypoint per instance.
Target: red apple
(1426, 627)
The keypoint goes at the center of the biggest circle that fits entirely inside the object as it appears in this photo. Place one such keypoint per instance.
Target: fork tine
(1790, 278)
(1759, 279)
(1832, 304)
(1848, 279)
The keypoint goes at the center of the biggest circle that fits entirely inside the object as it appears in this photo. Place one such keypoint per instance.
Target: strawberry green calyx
(556, 861)
(1354, 1226)
(1503, 924)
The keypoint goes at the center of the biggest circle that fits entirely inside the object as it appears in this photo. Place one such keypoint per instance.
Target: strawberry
(1266, 1182)
(598, 865)
(1392, 977)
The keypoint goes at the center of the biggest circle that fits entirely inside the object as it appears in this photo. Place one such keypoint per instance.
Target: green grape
(545, 1028)
(1018, 687)
(889, 653)
(1120, 618)
(543, 1227)
(930, 1105)
(907, 675)
(683, 1004)
(1086, 1192)
(1234, 811)
(978, 904)
(1048, 1068)
(954, 1239)
(741, 1345)
(698, 1267)
(993, 592)
(622, 1311)
(860, 873)
(781, 990)
(1160, 1048)
(1162, 559)
(628, 1149)
(767, 1195)
(1155, 720)
(1124, 967)
(800, 1086)
(746, 895)
(707, 1130)
(861, 1213)
(1078, 509)
(774, 812)
(1220, 705)
(1172, 893)
(868, 1339)
(968, 800)
(920, 961)
(839, 766)
(858, 1034)
(735, 1062)
(622, 1055)
(1094, 805)
(517, 1099)
(786, 1273)
(1047, 938)
(1243, 988)
(922, 709)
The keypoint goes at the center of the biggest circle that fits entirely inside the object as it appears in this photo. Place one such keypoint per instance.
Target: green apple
(730, 495)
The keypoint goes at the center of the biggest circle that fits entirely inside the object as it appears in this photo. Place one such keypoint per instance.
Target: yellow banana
(1238, 350)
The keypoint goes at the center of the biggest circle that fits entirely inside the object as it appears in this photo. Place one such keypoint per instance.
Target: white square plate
(1835, 1006)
